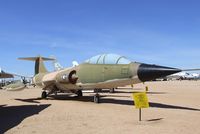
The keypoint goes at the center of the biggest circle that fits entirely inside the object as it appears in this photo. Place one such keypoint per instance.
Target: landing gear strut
(96, 98)
(44, 95)
(112, 90)
(97, 90)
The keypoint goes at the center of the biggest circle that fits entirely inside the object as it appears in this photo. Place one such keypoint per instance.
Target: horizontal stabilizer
(35, 58)
(39, 65)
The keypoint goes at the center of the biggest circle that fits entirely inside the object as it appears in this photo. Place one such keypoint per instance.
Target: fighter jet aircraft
(106, 71)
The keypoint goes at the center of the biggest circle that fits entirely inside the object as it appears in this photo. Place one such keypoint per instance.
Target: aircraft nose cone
(147, 72)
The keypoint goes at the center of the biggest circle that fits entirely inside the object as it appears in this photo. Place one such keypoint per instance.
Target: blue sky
(164, 32)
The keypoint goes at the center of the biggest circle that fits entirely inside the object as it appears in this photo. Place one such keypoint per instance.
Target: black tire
(79, 93)
(44, 95)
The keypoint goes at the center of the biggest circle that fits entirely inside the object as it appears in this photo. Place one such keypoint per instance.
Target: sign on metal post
(141, 101)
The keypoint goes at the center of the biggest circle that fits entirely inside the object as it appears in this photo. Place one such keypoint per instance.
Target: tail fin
(39, 64)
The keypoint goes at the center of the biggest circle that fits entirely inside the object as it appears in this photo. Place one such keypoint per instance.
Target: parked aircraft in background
(4, 74)
(57, 66)
(12, 84)
(74, 63)
(184, 76)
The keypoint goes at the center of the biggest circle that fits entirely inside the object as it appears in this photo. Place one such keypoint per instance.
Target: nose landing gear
(44, 95)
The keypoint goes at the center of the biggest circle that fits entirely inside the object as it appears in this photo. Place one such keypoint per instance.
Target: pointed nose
(147, 72)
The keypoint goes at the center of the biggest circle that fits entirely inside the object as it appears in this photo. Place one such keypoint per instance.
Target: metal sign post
(140, 114)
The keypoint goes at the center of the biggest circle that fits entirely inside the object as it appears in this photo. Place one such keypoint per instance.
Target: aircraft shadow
(156, 92)
(11, 116)
(151, 104)
(31, 100)
(128, 92)
(156, 119)
(120, 102)
(124, 88)
(2, 105)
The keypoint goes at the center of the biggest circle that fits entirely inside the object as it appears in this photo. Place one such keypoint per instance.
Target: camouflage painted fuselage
(91, 76)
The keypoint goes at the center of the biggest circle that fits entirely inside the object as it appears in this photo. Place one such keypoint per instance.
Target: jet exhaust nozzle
(69, 78)
(147, 72)
(72, 77)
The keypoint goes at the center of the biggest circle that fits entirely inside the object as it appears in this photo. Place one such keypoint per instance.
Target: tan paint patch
(49, 76)
(52, 76)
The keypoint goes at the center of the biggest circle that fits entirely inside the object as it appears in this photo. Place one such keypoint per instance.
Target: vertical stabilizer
(39, 63)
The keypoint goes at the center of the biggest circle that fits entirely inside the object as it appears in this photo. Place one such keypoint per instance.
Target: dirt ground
(174, 108)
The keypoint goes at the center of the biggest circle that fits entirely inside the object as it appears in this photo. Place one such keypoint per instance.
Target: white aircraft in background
(192, 76)
(58, 66)
(184, 76)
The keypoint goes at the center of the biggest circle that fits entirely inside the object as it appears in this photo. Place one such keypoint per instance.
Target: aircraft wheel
(112, 90)
(79, 93)
(96, 98)
(44, 95)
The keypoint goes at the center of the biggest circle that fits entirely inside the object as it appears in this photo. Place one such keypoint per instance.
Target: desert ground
(174, 108)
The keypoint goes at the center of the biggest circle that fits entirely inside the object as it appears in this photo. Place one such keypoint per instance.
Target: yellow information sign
(141, 100)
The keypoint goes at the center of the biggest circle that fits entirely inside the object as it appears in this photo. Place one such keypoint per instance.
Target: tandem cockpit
(108, 59)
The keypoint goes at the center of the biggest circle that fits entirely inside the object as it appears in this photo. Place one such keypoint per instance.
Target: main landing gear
(79, 93)
(112, 90)
(96, 98)
(44, 95)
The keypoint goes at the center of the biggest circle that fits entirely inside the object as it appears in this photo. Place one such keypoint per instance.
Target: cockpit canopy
(108, 59)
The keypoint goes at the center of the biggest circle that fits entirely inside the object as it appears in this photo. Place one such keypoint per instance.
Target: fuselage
(91, 76)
